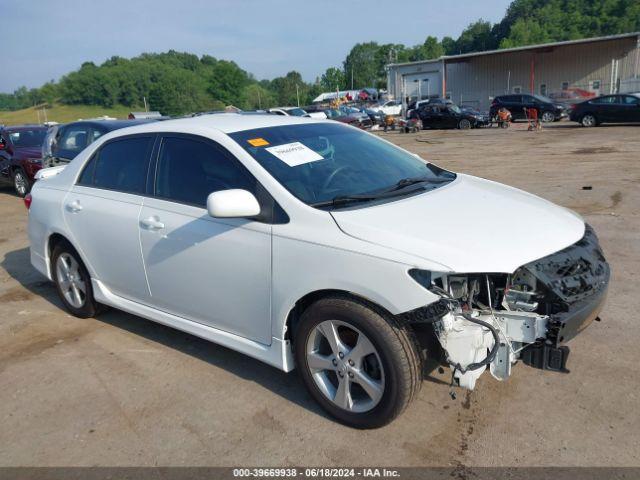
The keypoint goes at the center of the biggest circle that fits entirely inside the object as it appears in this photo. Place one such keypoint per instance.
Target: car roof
(110, 125)
(20, 128)
(222, 122)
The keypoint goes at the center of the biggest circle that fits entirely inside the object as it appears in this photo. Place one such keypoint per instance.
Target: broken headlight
(423, 277)
(521, 293)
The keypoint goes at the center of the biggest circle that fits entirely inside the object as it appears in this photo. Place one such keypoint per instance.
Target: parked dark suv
(21, 155)
(608, 108)
(548, 110)
(67, 141)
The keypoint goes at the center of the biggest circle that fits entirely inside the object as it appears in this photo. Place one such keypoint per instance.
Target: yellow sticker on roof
(258, 142)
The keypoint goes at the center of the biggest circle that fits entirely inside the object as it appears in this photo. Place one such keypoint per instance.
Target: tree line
(176, 83)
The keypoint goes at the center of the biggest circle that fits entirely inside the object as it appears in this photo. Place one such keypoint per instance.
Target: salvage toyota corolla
(311, 244)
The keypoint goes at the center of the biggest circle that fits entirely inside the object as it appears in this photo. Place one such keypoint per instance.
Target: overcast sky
(45, 39)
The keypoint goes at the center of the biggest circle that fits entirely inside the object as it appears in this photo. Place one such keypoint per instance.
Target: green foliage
(363, 65)
(256, 97)
(333, 79)
(476, 38)
(288, 89)
(537, 21)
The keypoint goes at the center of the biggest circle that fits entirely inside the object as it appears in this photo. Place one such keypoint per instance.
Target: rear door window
(73, 140)
(120, 165)
(189, 169)
(603, 100)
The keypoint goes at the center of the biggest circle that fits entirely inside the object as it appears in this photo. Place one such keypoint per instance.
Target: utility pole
(351, 77)
(259, 103)
(146, 107)
(298, 94)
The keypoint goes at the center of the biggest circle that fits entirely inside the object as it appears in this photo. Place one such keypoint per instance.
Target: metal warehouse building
(594, 65)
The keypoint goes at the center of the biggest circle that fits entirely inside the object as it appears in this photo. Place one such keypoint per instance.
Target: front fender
(300, 268)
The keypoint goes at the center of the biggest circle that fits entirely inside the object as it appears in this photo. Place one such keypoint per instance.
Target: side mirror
(233, 203)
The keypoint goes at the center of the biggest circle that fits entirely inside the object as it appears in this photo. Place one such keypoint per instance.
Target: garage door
(423, 85)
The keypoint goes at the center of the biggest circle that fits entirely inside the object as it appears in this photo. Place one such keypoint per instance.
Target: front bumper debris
(567, 291)
(577, 281)
(546, 357)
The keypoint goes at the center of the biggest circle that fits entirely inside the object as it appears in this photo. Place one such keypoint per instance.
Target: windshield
(28, 138)
(455, 108)
(320, 162)
(296, 112)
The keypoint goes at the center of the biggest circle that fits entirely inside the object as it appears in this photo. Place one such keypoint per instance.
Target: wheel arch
(57, 238)
(310, 298)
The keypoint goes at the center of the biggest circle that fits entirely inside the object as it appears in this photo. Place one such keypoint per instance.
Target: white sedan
(389, 108)
(296, 112)
(311, 244)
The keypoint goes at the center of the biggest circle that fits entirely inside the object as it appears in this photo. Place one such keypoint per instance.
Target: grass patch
(62, 113)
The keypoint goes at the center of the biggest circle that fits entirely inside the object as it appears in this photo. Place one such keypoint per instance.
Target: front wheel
(464, 124)
(548, 117)
(589, 120)
(362, 366)
(21, 183)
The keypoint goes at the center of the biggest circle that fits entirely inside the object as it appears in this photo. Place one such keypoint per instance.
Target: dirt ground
(120, 390)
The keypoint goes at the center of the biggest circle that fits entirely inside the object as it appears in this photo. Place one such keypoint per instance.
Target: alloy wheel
(20, 183)
(71, 282)
(588, 120)
(465, 124)
(345, 366)
(548, 117)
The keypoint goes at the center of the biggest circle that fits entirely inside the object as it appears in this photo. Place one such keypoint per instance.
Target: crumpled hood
(470, 225)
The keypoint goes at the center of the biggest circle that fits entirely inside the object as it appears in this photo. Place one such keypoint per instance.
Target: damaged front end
(496, 319)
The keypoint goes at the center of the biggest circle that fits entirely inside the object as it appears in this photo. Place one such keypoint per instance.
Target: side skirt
(278, 354)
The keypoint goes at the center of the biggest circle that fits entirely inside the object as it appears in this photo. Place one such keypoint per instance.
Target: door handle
(152, 223)
(74, 207)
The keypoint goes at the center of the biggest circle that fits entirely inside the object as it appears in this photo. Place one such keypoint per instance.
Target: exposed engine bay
(493, 320)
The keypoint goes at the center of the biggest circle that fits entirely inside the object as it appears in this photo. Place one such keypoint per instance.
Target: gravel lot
(120, 390)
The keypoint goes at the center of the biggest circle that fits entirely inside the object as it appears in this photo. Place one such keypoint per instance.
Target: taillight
(27, 200)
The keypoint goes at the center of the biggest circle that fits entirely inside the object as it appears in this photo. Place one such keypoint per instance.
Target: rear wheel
(589, 120)
(360, 365)
(464, 124)
(73, 281)
(21, 183)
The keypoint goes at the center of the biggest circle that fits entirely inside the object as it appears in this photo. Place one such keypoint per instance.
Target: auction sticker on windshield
(294, 154)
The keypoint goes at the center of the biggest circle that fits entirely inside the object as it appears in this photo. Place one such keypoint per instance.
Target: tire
(589, 120)
(375, 350)
(72, 281)
(464, 124)
(548, 117)
(21, 183)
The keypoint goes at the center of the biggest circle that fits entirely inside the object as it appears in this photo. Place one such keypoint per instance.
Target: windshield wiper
(392, 191)
(406, 182)
(342, 200)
